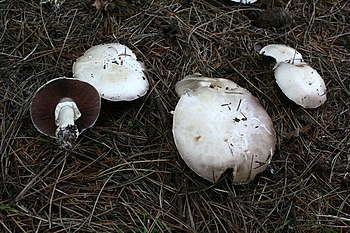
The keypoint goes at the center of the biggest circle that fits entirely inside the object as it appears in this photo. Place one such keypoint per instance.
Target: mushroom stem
(66, 113)
(66, 116)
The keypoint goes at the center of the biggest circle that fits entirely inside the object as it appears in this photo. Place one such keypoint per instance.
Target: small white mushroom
(192, 82)
(282, 53)
(244, 1)
(302, 84)
(114, 70)
(297, 80)
(222, 126)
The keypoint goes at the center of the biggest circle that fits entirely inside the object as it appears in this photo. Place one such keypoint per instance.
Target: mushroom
(222, 126)
(192, 82)
(244, 1)
(113, 70)
(272, 17)
(297, 80)
(282, 53)
(63, 108)
(302, 84)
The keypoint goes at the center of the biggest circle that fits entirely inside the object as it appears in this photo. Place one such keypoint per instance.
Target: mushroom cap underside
(43, 104)
(215, 130)
(114, 71)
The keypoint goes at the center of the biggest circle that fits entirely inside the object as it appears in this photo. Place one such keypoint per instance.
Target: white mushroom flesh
(217, 128)
(114, 71)
(282, 53)
(302, 84)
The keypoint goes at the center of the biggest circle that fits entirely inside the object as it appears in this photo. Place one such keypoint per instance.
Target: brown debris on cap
(42, 107)
(275, 17)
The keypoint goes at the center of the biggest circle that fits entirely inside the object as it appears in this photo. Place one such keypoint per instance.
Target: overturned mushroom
(297, 80)
(114, 70)
(218, 125)
(63, 108)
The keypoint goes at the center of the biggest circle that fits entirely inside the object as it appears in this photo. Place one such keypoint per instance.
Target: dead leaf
(104, 5)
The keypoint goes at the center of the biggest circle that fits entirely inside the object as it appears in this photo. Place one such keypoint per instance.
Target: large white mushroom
(218, 125)
(297, 80)
(114, 70)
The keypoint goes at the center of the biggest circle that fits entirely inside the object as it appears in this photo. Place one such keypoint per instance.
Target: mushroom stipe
(65, 122)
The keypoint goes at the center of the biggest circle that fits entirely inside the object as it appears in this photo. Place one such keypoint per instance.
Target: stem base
(67, 135)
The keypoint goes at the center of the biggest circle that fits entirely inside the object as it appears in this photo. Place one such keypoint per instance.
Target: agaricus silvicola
(218, 125)
(302, 84)
(63, 108)
(114, 70)
(244, 1)
(297, 80)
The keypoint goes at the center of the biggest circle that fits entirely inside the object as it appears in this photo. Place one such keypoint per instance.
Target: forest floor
(125, 174)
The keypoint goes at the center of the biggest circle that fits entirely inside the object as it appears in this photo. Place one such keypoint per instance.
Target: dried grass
(125, 174)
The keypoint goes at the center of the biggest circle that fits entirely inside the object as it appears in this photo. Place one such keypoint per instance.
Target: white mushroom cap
(80, 102)
(217, 128)
(282, 53)
(192, 82)
(114, 71)
(302, 84)
(73, 116)
(244, 1)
